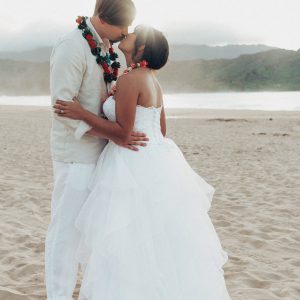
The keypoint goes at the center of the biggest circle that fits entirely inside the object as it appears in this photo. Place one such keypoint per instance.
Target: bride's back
(150, 92)
(149, 48)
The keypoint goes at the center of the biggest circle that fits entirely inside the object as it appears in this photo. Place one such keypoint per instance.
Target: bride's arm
(119, 131)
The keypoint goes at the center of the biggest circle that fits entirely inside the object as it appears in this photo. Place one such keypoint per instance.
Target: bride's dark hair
(156, 50)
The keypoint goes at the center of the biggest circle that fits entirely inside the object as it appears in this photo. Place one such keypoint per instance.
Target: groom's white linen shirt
(74, 72)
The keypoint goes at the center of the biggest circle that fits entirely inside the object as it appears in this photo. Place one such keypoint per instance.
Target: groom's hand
(136, 139)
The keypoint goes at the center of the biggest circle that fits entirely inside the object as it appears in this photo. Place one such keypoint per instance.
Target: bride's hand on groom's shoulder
(136, 139)
(69, 109)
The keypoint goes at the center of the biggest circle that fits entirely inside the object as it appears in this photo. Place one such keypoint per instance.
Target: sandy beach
(250, 157)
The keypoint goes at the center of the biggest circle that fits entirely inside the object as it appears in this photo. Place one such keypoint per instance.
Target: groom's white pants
(69, 193)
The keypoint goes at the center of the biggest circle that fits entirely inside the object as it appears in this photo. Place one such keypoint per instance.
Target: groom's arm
(67, 66)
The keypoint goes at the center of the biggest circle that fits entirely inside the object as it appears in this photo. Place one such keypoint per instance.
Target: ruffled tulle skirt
(146, 232)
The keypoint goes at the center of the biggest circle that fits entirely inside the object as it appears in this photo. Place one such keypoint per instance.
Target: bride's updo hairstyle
(156, 50)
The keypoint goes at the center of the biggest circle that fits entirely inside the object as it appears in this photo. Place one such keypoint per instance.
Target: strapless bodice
(147, 119)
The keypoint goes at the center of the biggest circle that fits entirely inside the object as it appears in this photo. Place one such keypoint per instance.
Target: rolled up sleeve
(81, 129)
(67, 67)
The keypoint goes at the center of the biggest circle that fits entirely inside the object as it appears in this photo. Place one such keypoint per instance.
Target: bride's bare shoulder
(126, 80)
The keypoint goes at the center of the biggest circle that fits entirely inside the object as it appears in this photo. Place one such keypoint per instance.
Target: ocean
(280, 101)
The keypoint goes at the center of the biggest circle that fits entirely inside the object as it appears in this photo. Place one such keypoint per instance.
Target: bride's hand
(136, 139)
(69, 109)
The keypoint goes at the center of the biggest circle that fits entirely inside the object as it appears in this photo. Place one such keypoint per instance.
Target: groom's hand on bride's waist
(136, 139)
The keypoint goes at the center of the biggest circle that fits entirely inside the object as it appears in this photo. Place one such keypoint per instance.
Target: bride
(146, 232)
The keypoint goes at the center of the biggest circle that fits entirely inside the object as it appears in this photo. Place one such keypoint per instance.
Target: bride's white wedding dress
(146, 232)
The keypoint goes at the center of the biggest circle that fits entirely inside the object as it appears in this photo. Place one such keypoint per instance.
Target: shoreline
(265, 101)
(185, 113)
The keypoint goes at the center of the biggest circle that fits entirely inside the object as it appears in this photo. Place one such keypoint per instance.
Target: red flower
(89, 37)
(144, 63)
(92, 44)
(105, 68)
(111, 50)
(115, 72)
(104, 65)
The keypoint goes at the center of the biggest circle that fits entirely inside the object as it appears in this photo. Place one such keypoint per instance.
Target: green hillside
(277, 70)
(270, 70)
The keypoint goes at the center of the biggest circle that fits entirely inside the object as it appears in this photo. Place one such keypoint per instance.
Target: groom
(75, 146)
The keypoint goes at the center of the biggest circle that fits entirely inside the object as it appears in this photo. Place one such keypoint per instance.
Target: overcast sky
(26, 24)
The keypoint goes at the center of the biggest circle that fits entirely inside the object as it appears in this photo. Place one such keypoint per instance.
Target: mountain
(192, 52)
(276, 69)
(35, 55)
(23, 78)
(271, 70)
(177, 52)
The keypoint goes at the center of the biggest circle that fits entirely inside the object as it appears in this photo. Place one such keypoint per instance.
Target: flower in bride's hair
(144, 63)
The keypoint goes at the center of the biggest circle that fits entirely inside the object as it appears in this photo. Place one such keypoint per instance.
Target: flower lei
(111, 70)
(142, 64)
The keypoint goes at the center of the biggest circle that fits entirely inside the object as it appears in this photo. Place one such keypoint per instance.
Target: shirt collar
(103, 42)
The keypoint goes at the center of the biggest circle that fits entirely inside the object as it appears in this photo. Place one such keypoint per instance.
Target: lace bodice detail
(147, 119)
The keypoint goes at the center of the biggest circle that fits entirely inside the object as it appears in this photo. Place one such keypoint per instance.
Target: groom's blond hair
(115, 12)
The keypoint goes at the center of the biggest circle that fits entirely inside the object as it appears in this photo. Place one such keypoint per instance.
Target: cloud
(210, 34)
(45, 34)
(42, 34)
(213, 22)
